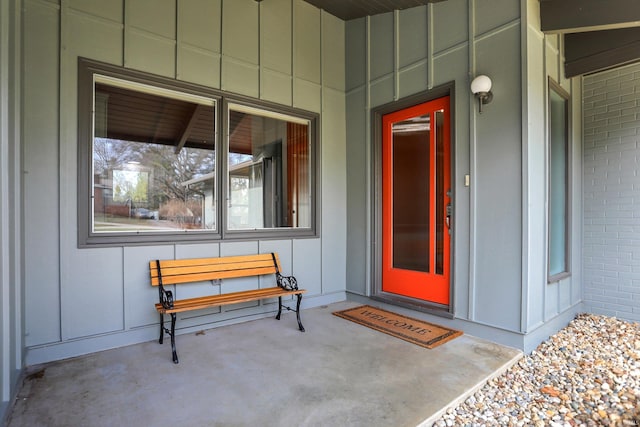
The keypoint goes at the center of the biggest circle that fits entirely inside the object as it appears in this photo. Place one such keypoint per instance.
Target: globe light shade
(481, 84)
(481, 88)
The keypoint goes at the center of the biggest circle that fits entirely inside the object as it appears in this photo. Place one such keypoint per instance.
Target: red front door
(416, 202)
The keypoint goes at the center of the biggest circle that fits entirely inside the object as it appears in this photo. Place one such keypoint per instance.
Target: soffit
(353, 9)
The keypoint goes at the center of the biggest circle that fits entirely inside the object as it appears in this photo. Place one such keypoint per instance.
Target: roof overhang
(598, 34)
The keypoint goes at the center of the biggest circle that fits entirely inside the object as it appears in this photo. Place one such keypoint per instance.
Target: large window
(149, 155)
(153, 159)
(559, 184)
(269, 170)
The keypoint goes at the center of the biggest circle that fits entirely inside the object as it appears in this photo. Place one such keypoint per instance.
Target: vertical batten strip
(368, 251)
(220, 47)
(222, 53)
(472, 164)
(367, 78)
(62, 244)
(545, 120)
(560, 61)
(6, 386)
(176, 20)
(430, 48)
(260, 53)
(323, 242)
(125, 31)
(321, 59)
(526, 248)
(396, 55)
(293, 53)
(292, 47)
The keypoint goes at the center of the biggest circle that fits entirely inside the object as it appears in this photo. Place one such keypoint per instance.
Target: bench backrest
(200, 269)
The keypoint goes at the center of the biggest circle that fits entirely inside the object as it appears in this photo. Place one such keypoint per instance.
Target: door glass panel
(411, 192)
(440, 192)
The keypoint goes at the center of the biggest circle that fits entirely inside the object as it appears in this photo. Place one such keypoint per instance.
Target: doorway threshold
(414, 304)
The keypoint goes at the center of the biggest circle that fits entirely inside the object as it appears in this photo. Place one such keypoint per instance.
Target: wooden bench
(176, 272)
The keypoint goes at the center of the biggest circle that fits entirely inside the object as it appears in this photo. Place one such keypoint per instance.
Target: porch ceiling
(353, 9)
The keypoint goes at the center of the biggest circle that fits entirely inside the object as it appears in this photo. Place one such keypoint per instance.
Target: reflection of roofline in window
(267, 113)
(199, 179)
(242, 169)
(125, 113)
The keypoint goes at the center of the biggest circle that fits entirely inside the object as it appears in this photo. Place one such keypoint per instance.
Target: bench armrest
(166, 297)
(288, 283)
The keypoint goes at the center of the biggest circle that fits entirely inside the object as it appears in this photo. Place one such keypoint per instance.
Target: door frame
(447, 89)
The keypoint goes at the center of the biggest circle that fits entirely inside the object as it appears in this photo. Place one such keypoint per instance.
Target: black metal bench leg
(298, 312)
(173, 337)
(161, 328)
(279, 308)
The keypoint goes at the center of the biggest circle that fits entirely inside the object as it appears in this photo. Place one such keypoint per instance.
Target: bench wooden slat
(216, 261)
(202, 269)
(211, 275)
(196, 268)
(226, 299)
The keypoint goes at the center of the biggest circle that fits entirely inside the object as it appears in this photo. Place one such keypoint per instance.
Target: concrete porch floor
(263, 373)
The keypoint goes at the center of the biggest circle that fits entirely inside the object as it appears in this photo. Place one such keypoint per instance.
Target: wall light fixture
(481, 88)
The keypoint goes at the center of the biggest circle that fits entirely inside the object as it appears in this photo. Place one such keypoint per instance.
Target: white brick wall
(612, 192)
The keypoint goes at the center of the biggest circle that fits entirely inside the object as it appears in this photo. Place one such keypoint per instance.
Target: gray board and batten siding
(500, 287)
(83, 300)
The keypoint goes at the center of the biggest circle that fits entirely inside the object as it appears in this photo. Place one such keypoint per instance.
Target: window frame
(86, 237)
(314, 165)
(553, 86)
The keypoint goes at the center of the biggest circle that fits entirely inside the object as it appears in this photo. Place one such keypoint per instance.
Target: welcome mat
(413, 330)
